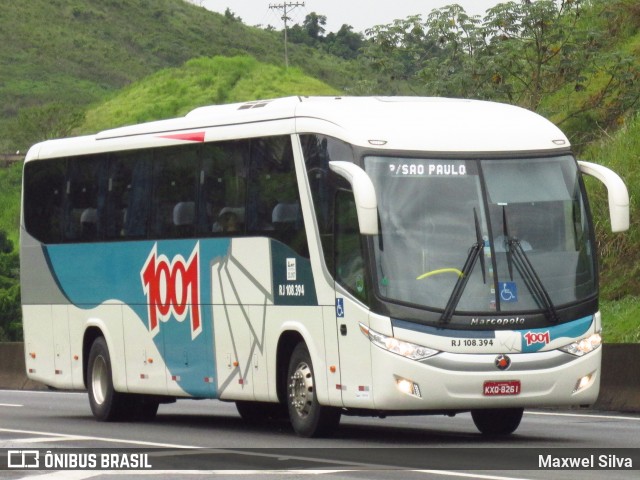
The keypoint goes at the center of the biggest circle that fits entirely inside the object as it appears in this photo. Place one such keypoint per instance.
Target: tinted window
(173, 200)
(273, 201)
(223, 187)
(349, 259)
(43, 190)
(176, 192)
(318, 151)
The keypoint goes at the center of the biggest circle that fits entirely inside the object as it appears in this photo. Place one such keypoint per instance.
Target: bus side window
(175, 181)
(264, 169)
(349, 260)
(117, 197)
(222, 191)
(81, 215)
(273, 200)
(44, 188)
(137, 206)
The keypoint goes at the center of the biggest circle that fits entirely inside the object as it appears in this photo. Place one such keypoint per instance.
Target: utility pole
(285, 7)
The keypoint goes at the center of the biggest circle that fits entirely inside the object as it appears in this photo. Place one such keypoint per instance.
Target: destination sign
(427, 169)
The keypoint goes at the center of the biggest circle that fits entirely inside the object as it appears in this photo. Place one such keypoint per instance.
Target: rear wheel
(497, 421)
(308, 417)
(107, 405)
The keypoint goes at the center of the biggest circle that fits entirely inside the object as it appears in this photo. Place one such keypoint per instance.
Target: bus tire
(261, 412)
(107, 405)
(308, 418)
(497, 421)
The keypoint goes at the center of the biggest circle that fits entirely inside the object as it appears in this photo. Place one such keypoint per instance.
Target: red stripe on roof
(192, 137)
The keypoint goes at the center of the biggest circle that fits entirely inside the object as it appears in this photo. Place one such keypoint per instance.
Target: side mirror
(618, 194)
(364, 194)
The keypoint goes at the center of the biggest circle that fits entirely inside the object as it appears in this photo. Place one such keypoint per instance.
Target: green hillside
(619, 253)
(78, 52)
(202, 81)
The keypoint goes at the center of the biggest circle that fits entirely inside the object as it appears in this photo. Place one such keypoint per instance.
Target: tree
(399, 50)
(10, 312)
(314, 25)
(230, 16)
(311, 32)
(552, 56)
(552, 50)
(345, 43)
(538, 47)
(461, 67)
(35, 124)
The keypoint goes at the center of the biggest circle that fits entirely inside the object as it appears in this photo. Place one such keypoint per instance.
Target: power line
(286, 7)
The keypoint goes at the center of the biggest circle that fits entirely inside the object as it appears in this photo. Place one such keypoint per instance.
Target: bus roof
(394, 123)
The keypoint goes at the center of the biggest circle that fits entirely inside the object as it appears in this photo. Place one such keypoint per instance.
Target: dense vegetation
(10, 317)
(128, 61)
(58, 56)
(619, 253)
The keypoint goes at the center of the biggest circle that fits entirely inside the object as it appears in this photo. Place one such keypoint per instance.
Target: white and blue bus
(317, 257)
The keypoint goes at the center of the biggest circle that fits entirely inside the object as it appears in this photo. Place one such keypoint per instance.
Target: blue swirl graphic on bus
(121, 267)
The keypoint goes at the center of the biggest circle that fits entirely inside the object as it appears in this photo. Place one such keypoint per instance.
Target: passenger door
(351, 305)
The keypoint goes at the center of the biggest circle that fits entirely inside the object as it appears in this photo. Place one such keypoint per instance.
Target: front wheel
(308, 417)
(497, 421)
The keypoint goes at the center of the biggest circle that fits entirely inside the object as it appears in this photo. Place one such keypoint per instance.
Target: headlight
(585, 345)
(399, 347)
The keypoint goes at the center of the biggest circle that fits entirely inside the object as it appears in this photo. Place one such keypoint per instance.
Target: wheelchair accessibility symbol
(340, 307)
(508, 292)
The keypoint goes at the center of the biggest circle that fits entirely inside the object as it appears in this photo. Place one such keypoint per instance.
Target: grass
(620, 320)
(173, 92)
(619, 253)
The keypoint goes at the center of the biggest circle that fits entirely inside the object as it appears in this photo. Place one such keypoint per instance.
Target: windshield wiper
(506, 236)
(516, 255)
(474, 252)
(480, 241)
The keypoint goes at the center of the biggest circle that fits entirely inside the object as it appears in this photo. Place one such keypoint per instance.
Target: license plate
(508, 387)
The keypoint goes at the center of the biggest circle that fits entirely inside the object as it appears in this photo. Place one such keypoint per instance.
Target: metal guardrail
(7, 159)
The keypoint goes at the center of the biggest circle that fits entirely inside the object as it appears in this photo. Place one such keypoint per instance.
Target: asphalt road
(363, 448)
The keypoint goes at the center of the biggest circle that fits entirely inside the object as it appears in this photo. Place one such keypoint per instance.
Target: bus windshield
(518, 228)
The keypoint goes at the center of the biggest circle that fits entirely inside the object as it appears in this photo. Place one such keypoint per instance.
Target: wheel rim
(99, 379)
(301, 389)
